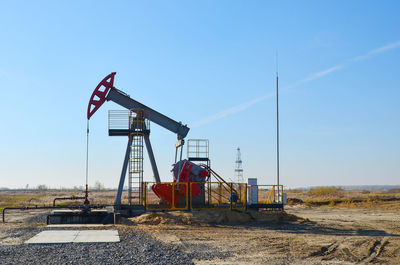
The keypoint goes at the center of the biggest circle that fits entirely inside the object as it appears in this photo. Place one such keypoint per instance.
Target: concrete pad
(74, 236)
(52, 237)
(93, 236)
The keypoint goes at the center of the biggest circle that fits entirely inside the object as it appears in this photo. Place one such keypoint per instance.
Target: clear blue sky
(210, 64)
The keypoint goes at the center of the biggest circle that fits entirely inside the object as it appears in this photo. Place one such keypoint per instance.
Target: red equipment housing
(164, 190)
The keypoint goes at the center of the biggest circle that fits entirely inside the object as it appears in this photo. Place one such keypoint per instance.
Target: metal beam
(151, 157)
(123, 174)
(125, 101)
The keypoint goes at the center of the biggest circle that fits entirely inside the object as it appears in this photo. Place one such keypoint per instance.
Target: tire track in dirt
(325, 250)
(376, 250)
(359, 251)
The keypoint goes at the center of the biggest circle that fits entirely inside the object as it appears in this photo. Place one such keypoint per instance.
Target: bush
(323, 191)
(393, 191)
(98, 186)
(41, 187)
(294, 191)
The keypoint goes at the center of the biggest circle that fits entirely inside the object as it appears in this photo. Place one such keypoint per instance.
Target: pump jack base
(97, 216)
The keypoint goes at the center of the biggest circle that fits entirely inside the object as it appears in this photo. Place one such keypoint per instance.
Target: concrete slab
(92, 236)
(52, 237)
(74, 236)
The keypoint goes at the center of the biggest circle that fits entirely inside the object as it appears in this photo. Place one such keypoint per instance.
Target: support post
(230, 185)
(123, 173)
(145, 195)
(245, 196)
(151, 157)
(189, 194)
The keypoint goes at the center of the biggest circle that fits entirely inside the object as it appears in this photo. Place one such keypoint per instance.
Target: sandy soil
(321, 235)
(333, 236)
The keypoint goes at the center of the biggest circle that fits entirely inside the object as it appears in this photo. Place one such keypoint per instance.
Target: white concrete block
(74, 236)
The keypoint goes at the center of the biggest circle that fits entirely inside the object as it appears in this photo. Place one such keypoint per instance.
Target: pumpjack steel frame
(105, 91)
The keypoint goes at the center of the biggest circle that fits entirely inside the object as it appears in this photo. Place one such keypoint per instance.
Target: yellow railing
(265, 194)
(219, 196)
(179, 197)
(209, 196)
(139, 120)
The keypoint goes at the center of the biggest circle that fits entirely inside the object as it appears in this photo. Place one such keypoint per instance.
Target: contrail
(316, 75)
(244, 106)
(379, 50)
(230, 111)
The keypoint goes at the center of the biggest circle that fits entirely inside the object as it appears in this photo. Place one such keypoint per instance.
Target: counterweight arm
(125, 101)
(105, 90)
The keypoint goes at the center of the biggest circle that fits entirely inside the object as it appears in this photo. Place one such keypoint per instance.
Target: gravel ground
(135, 247)
(37, 219)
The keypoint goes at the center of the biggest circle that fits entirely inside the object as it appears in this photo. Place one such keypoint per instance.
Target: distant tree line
(98, 186)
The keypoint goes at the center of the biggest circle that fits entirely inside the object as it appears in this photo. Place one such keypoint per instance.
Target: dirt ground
(318, 235)
(332, 236)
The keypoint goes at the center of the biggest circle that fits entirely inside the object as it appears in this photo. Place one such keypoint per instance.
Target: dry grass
(19, 200)
(321, 196)
(323, 191)
(333, 197)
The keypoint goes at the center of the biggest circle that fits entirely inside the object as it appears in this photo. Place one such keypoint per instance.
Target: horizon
(93, 188)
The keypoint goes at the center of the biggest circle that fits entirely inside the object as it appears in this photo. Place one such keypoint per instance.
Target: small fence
(218, 196)
(166, 196)
(265, 194)
(170, 196)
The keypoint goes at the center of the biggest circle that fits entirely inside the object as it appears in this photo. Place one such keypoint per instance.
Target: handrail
(218, 177)
(275, 194)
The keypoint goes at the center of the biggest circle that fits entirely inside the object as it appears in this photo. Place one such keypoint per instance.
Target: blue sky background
(210, 64)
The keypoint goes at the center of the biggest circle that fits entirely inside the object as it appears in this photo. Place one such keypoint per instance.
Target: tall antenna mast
(277, 121)
(87, 165)
(239, 168)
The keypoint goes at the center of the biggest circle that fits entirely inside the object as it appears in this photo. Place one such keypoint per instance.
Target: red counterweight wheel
(99, 94)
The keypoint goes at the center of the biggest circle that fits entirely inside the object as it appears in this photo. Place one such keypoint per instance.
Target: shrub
(98, 186)
(393, 191)
(294, 191)
(323, 191)
(41, 187)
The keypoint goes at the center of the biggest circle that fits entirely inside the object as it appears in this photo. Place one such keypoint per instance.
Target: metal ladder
(137, 125)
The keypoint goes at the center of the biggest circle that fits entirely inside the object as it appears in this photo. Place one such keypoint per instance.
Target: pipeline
(84, 207)
(67, 198)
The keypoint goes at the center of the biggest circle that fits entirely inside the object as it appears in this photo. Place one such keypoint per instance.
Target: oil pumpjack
(191, 182)
(183, 170)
